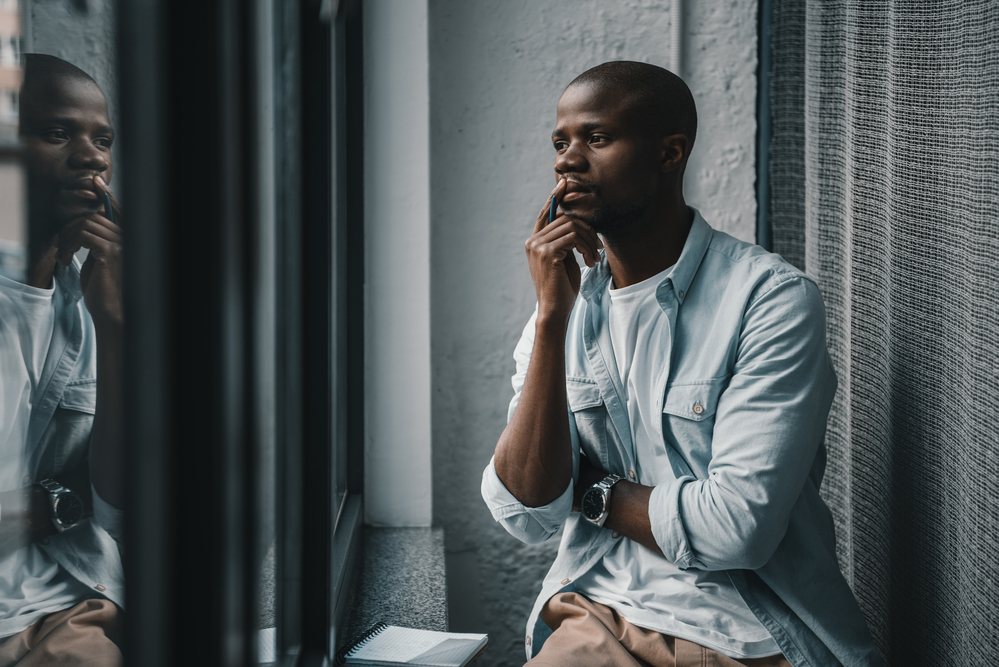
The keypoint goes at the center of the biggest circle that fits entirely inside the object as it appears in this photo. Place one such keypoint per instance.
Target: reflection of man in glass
(61, 582)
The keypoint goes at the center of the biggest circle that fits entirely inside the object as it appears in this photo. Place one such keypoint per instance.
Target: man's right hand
(100, 275)
(554, 269)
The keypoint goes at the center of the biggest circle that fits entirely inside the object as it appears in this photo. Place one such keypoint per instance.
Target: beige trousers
(76, 637)
(589, 634)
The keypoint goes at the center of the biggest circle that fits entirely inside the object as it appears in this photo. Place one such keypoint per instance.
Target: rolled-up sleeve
(769, 424)
(528, 524)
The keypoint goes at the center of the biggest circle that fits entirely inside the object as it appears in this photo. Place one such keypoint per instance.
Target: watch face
(68, 509)
(593, 504)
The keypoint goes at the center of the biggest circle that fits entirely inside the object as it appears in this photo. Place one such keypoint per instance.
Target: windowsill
(399, 580)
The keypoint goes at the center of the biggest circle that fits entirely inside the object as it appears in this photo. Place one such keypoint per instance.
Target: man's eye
(597, 138)
(561, 145)
(56, 135)
(103, 142)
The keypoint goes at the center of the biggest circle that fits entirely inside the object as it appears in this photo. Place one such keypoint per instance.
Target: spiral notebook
(393, 645)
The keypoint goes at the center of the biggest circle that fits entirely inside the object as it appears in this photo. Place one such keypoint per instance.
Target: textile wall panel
(885, 188)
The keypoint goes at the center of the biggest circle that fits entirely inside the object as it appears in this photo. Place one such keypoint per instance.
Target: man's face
(67, 137)
(609, 156)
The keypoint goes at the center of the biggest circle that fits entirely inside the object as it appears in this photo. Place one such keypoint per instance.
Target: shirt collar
(694, 248)
(698, 240)
(69, 278)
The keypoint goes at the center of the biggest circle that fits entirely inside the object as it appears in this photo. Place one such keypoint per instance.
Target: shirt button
(698, 408)
(27, 479)
(681, 294)
(565, 581)
(45, 540)
(615, 534)
(631, 474)
(528, 641)
(100, 588)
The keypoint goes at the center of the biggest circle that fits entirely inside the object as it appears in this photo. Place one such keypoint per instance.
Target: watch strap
(607, 482)
(52, 486)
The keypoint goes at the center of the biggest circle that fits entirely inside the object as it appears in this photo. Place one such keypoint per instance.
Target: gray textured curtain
(885, 188)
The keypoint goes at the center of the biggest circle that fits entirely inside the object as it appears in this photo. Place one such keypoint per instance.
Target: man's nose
(88, 156)
(570, 161)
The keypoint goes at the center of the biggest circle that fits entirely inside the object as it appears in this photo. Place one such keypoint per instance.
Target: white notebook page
(421, 647)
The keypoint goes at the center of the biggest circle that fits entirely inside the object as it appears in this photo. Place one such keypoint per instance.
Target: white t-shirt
(645, 588)
(32, 584)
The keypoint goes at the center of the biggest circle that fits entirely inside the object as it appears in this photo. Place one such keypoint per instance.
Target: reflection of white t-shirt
(32, 584)
(645, 588)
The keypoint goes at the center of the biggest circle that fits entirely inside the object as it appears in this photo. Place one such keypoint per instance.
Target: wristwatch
(596, 500)
(65, 507)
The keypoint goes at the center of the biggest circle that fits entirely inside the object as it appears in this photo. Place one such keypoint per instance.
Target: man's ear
(674, 152)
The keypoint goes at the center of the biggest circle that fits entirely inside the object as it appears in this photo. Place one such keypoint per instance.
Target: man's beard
(615, 219)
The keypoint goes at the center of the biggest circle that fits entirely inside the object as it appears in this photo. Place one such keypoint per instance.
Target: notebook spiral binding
(360, 640)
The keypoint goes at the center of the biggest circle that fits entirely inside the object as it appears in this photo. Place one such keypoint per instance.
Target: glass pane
(61, 322)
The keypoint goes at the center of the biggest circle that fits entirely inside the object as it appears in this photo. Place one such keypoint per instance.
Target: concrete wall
(496, 71)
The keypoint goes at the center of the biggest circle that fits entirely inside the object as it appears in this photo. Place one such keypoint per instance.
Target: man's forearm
(107, 440)
(629, 514)
(534, 453)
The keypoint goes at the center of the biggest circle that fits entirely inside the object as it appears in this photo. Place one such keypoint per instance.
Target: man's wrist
(552, 324)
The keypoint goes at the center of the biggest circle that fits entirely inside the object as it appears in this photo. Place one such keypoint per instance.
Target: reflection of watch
(65, 507)
(596, 500)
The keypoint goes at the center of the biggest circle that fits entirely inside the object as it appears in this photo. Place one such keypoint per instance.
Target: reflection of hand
(100, 277)
(553, 267)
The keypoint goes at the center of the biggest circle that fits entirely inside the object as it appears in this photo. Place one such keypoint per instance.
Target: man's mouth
(577, 190)
(82, 193)
(80, 187)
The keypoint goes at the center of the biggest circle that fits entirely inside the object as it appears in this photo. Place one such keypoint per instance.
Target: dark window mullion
(316, 267)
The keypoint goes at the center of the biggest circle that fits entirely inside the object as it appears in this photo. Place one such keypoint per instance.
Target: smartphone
(551, 212)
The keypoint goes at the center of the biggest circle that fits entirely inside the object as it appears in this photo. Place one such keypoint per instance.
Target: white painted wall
(397, 466)
(497, 68)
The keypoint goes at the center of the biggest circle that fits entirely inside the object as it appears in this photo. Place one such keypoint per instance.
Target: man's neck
(651, 245)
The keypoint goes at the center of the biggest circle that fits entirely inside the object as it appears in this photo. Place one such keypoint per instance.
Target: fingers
(576, 233)
(543, 216)
(95, 232)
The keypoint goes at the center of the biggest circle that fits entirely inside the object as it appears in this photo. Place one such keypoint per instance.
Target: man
(61, 582)
(698, 383)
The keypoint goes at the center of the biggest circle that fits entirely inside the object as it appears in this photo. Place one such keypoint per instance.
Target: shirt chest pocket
(587, 407)
(689, 420)
(66, 440)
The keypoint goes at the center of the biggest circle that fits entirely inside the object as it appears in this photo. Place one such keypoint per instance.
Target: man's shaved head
(657, 93)
(46, 75)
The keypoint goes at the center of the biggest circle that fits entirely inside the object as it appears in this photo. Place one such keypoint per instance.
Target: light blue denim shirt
(744, 400)
(58, 440)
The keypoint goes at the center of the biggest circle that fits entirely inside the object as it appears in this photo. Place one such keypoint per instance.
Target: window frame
(190, 138)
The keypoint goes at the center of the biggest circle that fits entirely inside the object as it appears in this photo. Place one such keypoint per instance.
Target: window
(246, 304)
(238, 156)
